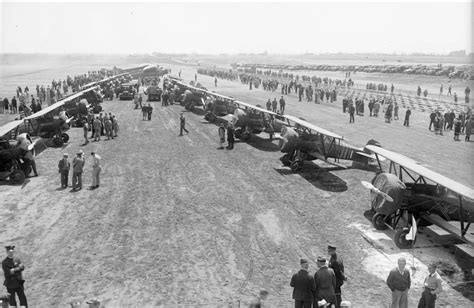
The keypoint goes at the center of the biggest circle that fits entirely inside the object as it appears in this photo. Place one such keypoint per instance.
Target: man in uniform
(399, 283)
(96, 167)
(274, 105)
(407, 117)
(351, 113)
(64, 167)
(325, 281)
(230, 137)
(182, 121)
(77, 169)
(12, 269)
(336, 264)
(282, 105)
(97, 127)
(303, 286)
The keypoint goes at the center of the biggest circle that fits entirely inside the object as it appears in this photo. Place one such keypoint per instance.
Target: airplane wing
(256, 108)
(321, 157)
(423, 171)
(313, 127)
(48, 109)
(5, 129)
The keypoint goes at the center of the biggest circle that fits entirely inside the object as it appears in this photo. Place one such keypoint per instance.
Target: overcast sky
(316, 27)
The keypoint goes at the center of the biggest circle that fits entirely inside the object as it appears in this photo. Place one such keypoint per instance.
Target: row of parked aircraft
(50, 123)
(406, 196)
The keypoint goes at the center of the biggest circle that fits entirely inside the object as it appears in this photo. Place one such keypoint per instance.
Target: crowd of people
(26, 103)
(460, 124)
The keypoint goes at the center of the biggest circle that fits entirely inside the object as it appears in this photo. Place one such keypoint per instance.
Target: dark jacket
(397, 281)
(325, 281)
(64, 165)
(12, 280)
(336, 264)
(230, 134)
(303, 286)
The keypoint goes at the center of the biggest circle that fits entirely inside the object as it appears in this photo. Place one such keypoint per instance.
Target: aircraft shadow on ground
(262, 144)
(196, 111)
(320, 177)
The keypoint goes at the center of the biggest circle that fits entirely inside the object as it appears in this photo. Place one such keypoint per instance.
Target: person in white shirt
(433, 285)
(96, 167)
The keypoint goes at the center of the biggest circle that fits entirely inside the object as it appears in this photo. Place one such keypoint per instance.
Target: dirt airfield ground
(178, 223)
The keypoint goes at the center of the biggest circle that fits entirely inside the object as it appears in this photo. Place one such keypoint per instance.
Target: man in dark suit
(325, 281)
(303, 286)
(12, 269)
(64, 167)
(336, 264)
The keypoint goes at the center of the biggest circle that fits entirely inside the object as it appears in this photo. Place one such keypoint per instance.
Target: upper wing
(313, 127)
(412, 165)
(256, 108)
(9, 127)
(48, 109)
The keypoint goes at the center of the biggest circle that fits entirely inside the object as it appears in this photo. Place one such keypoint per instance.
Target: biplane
(50, 122)
(189, 96)
(303, 141)
(410, 195)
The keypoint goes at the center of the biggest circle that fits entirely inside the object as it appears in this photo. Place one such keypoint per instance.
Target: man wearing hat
(335, 263)
(77, 169)
(325, 281)
(303, 286)
(12, 269)
(64, 167)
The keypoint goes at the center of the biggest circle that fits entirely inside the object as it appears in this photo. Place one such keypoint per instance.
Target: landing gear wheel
(65, 137)
(238, 133)
(58, 142)
(245, 137)
(400, 239)
(286, 160)
(378, 220)
(17, 177)
(296, 166)
(191, 108)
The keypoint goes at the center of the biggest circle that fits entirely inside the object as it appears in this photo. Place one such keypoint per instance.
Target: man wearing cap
(399, 283)
(303, 286)
(77, 169)
(12, 269)
(64, 167)
(325, 281)
(95, 170)
(335, 263)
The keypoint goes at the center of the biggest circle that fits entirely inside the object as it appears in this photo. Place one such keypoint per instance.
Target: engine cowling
(391, 185)
(288, 140)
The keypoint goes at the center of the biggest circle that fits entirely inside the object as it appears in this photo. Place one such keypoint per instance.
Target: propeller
(377, 191)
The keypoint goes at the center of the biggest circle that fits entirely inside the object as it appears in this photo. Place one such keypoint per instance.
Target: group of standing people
(78, 165)
(462, 124)
(273, 105)
(222, 136)
(323, 289)
(101, 125)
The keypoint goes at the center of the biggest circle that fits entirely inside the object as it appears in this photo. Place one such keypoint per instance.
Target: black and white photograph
(237, 154)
